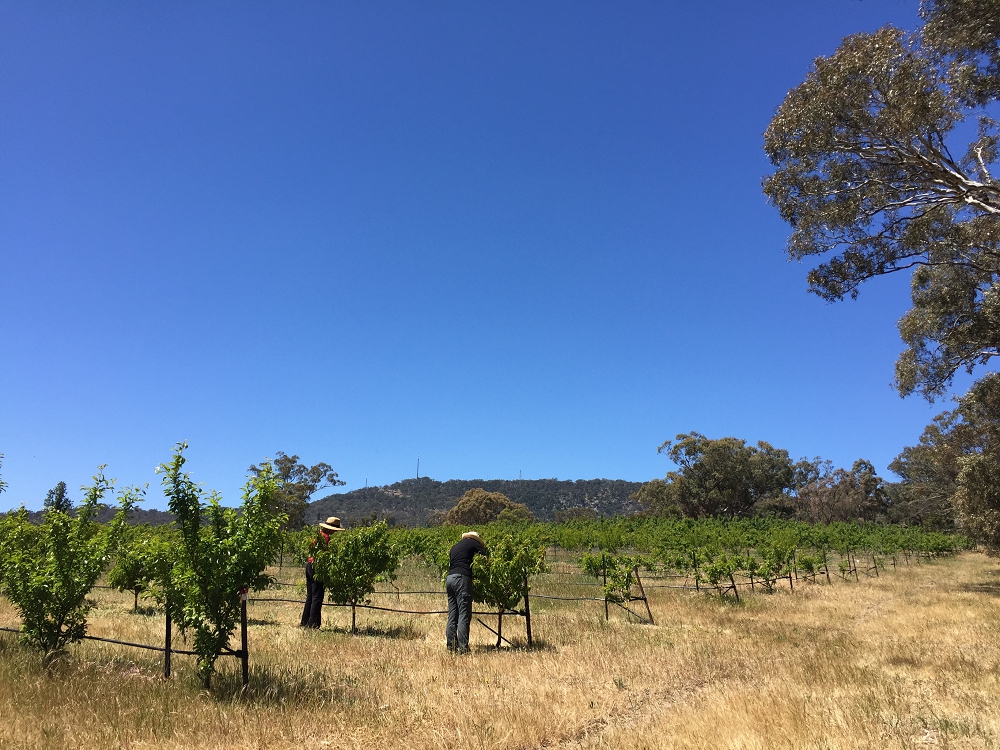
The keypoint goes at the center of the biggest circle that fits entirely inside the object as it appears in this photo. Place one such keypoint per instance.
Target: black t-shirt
(462, 553)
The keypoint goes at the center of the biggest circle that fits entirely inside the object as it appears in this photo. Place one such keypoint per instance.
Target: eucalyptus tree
(298, 483)
(718, 477)
(877, 173)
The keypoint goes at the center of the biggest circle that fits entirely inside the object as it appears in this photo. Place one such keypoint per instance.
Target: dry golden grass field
(910, 659)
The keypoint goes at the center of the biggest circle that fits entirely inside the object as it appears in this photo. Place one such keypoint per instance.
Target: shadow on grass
(991, 588)
(277, 685)
(405, 632)
(258, 621)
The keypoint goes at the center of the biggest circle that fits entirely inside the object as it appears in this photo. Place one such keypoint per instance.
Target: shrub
(49, 569)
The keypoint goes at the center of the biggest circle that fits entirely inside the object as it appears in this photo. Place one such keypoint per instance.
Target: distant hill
(412, 501)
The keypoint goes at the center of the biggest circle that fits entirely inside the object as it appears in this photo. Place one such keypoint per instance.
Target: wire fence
(847, 567)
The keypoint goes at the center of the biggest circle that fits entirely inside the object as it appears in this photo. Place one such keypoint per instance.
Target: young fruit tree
(353, 562)
(501, 580)
(144, 557)
(48, 569)
(221, 553)
(617, 572)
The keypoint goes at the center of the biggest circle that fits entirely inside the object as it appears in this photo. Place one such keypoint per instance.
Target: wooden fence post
(604, 566)
(642, 591)
(694, 559)
(244, 655)
(166, 647)
(826, 567)
(527, 610)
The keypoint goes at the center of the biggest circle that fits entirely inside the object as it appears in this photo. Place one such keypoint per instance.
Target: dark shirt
(462, 553)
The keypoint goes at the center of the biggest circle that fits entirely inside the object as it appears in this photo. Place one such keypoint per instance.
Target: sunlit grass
(906, 660)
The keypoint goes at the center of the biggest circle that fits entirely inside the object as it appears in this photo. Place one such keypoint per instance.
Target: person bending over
(459, 587)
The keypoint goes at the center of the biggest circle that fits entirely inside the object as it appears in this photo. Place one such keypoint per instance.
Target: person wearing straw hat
(312, 613)
(459, 587)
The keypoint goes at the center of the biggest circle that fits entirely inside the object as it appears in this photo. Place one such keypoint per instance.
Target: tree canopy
(57, 499)
(297, 483)
(955, 468)
(871, 179)
(478, 506)
(726, 478)
(723, 477)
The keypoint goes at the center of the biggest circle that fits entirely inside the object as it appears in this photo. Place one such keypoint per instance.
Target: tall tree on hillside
(841, 495)
(870, 178)
(724, 477)
(57, 499)
(297, 484)
(956, 465)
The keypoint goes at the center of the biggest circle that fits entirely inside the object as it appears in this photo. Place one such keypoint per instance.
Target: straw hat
(332, 524)
(468, 534)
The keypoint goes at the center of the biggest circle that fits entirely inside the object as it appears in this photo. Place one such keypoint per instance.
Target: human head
(332, 524)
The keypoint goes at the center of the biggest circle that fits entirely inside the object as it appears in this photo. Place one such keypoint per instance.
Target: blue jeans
(459, 590)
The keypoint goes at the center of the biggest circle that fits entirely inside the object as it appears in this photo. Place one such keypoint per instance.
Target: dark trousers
(312, 613)
(459, 590)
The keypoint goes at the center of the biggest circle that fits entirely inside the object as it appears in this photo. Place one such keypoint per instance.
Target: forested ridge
(413, 502)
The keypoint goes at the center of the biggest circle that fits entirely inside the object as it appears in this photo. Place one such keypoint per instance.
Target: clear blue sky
(505, 236)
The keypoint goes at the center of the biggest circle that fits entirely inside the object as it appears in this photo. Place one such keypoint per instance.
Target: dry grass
(906, 660)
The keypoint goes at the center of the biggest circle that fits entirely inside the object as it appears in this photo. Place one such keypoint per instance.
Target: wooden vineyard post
(604, 567)
(694, 559)
(499, 626)
(166, 647)
(854, 563)
(790, 586)
(244, 655)
(527, 610)
(642, 592)
(795, 565)
(354, 628)
(875, 564)
(826, 568)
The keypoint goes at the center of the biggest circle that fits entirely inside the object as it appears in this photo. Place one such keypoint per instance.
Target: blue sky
(510, 237)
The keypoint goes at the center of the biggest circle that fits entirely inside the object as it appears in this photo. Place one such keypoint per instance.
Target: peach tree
(354, 561)
(221, 553)
(48, 569)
